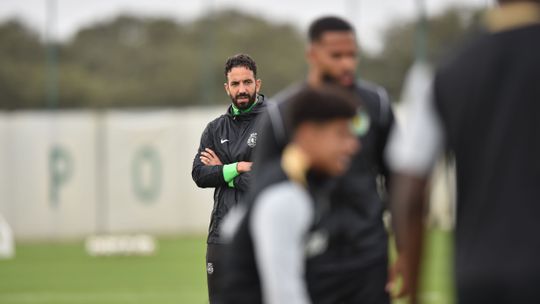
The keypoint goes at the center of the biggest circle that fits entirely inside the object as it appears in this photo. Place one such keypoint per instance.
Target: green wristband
(230, 172)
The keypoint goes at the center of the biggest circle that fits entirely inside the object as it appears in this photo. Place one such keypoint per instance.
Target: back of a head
(327, 24)
(320, 105)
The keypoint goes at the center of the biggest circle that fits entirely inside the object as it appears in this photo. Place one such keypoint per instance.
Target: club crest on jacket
(252, 140)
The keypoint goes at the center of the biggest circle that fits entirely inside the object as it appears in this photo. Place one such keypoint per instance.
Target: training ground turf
(63, 273)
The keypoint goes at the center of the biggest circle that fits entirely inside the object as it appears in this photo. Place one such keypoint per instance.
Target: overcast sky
(369, 16)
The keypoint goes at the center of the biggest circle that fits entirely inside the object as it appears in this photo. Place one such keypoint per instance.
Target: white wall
(108, 154)
(69, 174)
(4, 207)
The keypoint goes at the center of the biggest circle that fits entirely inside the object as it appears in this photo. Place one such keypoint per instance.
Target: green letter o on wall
(146, 174)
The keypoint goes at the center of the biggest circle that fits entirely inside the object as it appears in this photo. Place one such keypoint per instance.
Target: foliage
(444, 33)
(145, 62)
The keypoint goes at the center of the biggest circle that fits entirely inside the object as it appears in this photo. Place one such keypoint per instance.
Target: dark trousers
(364, 285)
(214, 252)
(511, 288)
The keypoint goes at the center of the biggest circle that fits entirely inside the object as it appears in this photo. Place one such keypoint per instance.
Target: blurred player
(484, 109)
(223, 160)
(354, 268)
(278, 242)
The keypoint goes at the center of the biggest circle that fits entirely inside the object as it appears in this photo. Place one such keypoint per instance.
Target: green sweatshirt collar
(236, 111)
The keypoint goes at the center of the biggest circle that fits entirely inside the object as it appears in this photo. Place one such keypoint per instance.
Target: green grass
(64, 273)
(437, 283)
(436, 286)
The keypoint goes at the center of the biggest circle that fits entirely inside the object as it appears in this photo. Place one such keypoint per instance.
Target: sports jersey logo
(361, 123)
(210, 268)
(252, 140)
(317, 243)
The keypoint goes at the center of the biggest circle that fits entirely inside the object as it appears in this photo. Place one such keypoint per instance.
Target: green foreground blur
(63, 273)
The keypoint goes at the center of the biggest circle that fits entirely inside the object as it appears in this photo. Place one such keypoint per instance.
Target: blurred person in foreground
(223, 160)
(277, 242)
(484, 108)
(354, 268)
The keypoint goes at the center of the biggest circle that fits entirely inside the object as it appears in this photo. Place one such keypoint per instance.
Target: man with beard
(353, 269)
(274, 241)
(223, 160)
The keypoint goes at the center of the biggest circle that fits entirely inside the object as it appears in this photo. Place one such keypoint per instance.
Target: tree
(132, 61)
(135, 61)
(22, 70)
(445, 32)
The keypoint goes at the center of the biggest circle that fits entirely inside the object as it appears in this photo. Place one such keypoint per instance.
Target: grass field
(64, 273)
(437, 280)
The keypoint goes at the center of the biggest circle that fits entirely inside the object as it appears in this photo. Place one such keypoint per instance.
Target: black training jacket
(233, 139)
(357, 206)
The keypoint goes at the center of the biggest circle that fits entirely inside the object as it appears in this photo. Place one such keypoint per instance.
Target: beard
(331, 80)
(244, 105)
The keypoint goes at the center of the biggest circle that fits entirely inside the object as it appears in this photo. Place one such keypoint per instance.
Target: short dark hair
(321, 105)
(327, 24)
(240, 60)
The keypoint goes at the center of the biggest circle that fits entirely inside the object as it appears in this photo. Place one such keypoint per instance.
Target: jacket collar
(512, 16)
(255, 108)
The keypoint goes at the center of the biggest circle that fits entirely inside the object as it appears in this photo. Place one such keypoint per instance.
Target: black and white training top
(268, 258)
(357, 201)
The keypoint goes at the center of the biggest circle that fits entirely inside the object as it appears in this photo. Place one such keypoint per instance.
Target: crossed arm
(236, 175)
(210, 158)
(209, 171)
